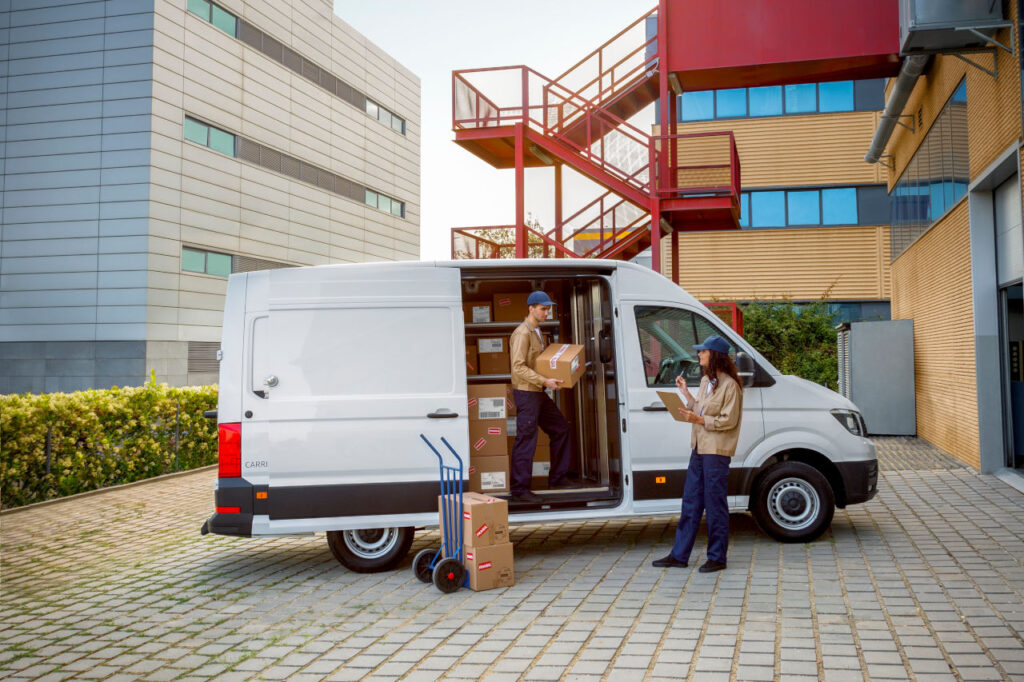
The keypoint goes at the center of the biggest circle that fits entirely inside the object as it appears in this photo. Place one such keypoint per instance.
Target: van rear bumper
(228, 524)
(860, 480)
(231, 493)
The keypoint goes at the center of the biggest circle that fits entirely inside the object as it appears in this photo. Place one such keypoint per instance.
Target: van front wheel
(370, 550)
(793, 502)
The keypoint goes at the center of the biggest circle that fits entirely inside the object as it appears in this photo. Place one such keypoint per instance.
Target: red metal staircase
(514, 117)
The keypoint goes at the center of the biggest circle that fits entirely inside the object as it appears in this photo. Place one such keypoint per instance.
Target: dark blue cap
(539, 298)
(715, 343)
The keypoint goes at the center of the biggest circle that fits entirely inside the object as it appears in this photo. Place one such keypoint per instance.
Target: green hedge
(101, 438)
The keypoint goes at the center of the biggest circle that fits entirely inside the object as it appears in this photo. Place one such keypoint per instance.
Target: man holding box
(534, 407)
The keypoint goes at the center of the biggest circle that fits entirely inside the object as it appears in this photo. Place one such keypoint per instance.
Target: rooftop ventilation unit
(948, 25)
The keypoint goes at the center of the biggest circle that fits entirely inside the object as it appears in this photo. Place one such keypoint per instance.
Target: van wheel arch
(370, 550)
(810, 457)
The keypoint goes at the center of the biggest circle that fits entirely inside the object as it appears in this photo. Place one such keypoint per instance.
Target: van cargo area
(494, 304)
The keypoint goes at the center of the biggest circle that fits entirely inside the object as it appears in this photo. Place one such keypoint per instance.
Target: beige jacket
(524, 347)
(722, 410)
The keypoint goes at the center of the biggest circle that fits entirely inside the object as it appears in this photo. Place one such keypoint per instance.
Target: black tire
(370, 550)
(449, 574)
(793, 502)
(421, 565)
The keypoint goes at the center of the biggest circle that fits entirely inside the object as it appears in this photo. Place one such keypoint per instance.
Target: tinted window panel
(730, 103)
(768, 209)
(766, 101)
(218, 264)
(225, 21)
(698, 106)
(744, 209)
(200, 8)
(398, 208)
(803, 208)
(801, 98)
(222, 142)
(837, 96)
(193, 261)
(196, 132)
(371, 198)
(839, 206)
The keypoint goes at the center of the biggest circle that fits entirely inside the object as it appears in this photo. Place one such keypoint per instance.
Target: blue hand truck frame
(444, 567)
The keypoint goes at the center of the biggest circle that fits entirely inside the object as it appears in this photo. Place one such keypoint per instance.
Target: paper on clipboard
(673, 401)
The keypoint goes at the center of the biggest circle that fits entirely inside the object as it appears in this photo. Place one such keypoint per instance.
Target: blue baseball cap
(715, 343)
(539, 298)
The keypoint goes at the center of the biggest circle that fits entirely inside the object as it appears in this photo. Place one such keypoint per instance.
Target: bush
(797, 339)
(101, 438)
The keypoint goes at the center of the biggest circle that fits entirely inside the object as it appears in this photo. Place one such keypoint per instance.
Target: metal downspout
(912, 67)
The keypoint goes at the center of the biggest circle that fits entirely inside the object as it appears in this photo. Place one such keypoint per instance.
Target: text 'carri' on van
(329, 375)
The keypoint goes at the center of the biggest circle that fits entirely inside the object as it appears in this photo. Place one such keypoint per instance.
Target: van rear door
(361, 361)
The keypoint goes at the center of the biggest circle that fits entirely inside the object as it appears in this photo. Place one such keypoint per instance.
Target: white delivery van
(329, 374)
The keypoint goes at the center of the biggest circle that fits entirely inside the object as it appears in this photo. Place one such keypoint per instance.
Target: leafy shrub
(798, 339)
(101, 438)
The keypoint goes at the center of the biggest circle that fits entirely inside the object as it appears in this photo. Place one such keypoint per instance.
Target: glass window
(398, 208)
(839, 206)
(384, 116)
(224, 20)
(196, 132)
(744, 209)
(803, 207)
(193, 261)
(371, 108)
(667, 338)
(837, 96)
(371, 198)
(218, 264)
(960, 94)
(730, 103)
(222, 142)
(801, 98)
(200, 8)
(766, 101)
(698, 106)
(768, 209)
(384, 203)
(398, 124)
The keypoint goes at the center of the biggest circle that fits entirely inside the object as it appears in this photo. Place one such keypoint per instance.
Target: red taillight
(230, 450)
(229, 510)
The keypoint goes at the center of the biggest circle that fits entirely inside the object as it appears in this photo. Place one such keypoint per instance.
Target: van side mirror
(747, 371)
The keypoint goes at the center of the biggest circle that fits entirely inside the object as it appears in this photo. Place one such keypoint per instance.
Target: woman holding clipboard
(715, 413)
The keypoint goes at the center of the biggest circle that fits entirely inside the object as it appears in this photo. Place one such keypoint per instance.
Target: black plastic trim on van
(354, 499)
(232, 492)
(668, 483)
(860, 480)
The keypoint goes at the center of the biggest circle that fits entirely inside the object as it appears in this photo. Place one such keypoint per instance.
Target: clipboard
(673, 401)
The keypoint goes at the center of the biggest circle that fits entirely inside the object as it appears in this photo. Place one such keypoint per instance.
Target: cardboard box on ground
(563, 361)
(489, 567)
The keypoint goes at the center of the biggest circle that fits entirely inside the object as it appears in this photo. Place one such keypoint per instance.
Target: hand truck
(444, 566)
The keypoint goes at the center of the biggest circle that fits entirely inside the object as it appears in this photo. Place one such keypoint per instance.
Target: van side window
(667, 338)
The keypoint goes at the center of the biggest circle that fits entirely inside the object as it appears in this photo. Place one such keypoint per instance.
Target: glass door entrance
(1012, 305)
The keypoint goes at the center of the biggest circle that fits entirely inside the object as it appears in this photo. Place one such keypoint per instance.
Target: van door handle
(655, 408)
(443, 413)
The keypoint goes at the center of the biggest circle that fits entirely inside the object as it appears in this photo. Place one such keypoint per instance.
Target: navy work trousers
(533, 409)
(706, 489)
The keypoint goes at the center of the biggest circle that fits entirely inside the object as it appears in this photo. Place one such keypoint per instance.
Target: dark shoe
(669, 562)
(567, 484)
(711, 566)
(528, 497)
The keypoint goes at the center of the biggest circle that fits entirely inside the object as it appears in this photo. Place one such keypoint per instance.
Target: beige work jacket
(722, 410)
(524, 347)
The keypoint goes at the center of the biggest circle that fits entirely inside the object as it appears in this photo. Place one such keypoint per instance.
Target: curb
(98, 491)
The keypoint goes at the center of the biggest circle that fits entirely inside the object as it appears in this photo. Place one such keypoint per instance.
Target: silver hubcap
(371, 543)
(793, 503)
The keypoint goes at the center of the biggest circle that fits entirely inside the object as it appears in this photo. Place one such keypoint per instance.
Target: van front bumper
(860, 480)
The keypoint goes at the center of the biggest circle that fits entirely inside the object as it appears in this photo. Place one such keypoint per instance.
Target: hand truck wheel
(449, 575)
(421, 564)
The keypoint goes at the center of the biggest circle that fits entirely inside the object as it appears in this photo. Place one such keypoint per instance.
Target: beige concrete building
(152, 148)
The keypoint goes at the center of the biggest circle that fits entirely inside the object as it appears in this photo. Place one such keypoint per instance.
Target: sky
(434, 37)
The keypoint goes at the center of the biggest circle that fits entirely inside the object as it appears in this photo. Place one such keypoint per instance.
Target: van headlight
(851, 421)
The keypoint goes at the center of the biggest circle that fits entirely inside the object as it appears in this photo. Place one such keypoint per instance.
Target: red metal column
(658, 161)
(520, 191)
(675, 256)
(558, 208)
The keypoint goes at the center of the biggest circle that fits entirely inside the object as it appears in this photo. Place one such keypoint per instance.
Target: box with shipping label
(476, 312)
(541, 469)
(490, 567)
(485, 520)
(563, 361)
(510, 307)
(486, 402)
(488, 474)
(494, 355)
(487, 438)
(472, 362)
(510, 401)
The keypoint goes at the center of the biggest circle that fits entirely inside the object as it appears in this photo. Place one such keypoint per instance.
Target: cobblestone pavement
(924, 582)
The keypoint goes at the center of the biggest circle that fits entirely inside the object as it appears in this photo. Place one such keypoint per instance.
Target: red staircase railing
(718, 170)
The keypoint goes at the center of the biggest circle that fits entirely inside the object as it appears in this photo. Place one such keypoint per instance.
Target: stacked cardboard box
(494, 355)
(472, 361)
(488, 551)
(476, 312)
(488, 438)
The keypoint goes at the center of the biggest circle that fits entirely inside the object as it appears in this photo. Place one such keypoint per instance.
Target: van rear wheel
(793, 502)
(370, 550)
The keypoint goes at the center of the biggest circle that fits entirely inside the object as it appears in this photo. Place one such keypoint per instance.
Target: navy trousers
(533, 409)
(706, 489)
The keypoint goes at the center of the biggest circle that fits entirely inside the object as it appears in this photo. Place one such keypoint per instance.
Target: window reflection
(773, 100)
